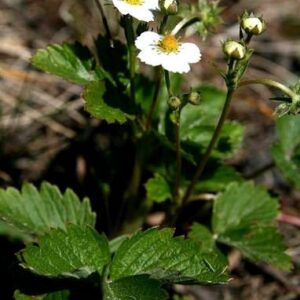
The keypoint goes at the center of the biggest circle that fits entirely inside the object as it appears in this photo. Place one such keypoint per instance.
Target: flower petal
(190, 52)
(146, 39)
(121, 6)
(141, 13)
(152, 4)
(151, 57)
(175, 63)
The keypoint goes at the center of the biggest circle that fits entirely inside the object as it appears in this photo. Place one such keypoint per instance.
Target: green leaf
(157, 253)
(139, 287)
(106, 106)
(259, 243)
(242, 216)
(117, 242)
(158, 189)
(72, 62)
(286, 153)
(35, 212)
(199, 122)
(76, 252)
(13, 233)
(203, 237)
(215, 180)
(60, 295)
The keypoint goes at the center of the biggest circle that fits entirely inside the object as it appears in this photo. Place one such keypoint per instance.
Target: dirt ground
(42, 117)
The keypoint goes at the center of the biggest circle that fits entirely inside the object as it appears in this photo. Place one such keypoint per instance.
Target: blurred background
(45, 134)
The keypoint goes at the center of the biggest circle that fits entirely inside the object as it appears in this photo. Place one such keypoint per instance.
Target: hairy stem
(269, 82)
(129, 32)
(201, 166)
(104, 21)
(154, 99)
(178, 160)
(168, 83)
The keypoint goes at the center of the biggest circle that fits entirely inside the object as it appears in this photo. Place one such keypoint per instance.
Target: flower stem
(178, 160)
(155, 98)
(269, 82)
(201, 166)
(105, 23)
(163, 24)
(184, 23)
(177, 142)
(168, 83)
(129, 32)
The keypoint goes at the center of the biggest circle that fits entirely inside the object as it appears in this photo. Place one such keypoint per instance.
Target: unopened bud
(234, 50)
(253, 25)
(174, 102)
(169, 7)
(194, 98)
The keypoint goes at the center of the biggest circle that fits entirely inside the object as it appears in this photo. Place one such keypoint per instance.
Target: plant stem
(201, 166)
(163, 24)
(168, 83)
(177, 143)
(105, 23)
(155, 99)
(184, 23)
(178, 160)
(271, 83)
(129, 32)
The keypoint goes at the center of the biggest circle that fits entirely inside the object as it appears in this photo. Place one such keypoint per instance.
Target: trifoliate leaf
(105, 105)
(243, 216)
(286, 153)
(76, 252)
(157, 253)
(36, 212)
(158, 189)
(72, 62)
(60, 295)
(139, 287)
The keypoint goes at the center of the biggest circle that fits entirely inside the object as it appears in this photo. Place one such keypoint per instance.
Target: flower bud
(192, 98)
(234, 50)
(169, 7)
(253, 25)
(174, 102)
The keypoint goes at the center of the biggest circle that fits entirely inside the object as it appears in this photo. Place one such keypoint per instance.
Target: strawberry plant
(179, 140)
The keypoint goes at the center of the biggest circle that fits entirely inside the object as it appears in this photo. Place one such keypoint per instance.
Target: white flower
(166, 51)
(139, 9)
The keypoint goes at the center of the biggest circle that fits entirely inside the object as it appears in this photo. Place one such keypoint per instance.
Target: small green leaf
(203, 237)
(60, 295)
(215, 180)
(106, 106)
(242, 215)
(199, 122)
(35, 212)
(76, 252)
(286, 153)
(158, 189)
(72, 62)
(157, 253)
(117, 242)
(139, 287)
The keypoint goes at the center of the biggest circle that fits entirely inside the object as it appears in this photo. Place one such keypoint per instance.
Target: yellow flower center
(169, 44)
(134, 2)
